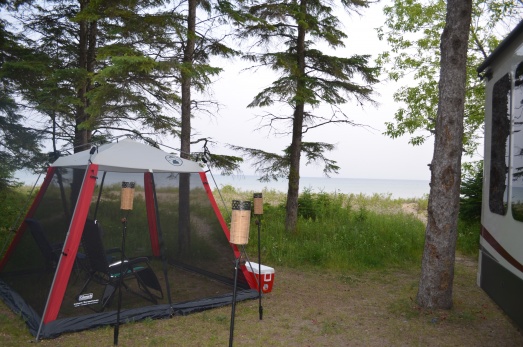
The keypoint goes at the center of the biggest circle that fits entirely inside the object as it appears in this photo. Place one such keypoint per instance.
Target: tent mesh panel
(197, 261)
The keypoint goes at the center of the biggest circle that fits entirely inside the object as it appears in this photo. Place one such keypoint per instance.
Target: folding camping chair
(50, 252)
(102, 272)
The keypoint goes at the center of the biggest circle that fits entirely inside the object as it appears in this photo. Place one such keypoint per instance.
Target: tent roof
(128, 156)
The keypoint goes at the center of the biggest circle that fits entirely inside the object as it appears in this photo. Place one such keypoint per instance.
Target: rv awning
(502, 46)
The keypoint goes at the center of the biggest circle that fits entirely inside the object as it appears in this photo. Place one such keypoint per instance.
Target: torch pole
(260, 307)
(233, 310)
(258, 211)
(120, 279)
(126, 204)
(239, 236)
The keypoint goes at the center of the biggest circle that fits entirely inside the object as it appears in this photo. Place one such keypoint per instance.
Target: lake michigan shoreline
(395, 188)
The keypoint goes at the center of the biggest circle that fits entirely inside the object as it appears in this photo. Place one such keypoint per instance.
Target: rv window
(517, 147)
(499, 146)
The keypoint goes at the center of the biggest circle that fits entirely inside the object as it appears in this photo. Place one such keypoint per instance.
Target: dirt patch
(317, 308)
(378, 309)
(413, 208)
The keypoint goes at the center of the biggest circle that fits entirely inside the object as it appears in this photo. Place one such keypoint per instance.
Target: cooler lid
(263, 268)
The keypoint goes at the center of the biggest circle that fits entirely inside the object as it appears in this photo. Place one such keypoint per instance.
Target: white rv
(500, 272)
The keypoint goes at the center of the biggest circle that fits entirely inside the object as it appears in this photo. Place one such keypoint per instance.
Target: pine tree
(198, 44)
(308, 77)
(19, 144)
(100, 67)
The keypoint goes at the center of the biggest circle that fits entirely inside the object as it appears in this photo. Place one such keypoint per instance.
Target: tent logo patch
(85, 299)
(174, 160)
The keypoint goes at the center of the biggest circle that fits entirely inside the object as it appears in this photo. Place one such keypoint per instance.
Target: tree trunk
(184, 232)
(188, 59)
(86, 60)
(437, 271)
(88, 32)
(291, 218)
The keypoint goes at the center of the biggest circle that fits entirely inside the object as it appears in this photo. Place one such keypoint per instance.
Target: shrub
(471, 192)
(306, 207)
(468, 236)
(320, 205)
(13, 201)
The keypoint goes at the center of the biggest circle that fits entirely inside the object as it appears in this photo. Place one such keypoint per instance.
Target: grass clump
(339, 231)
(346, 231)
(347, 240)
(335, 231)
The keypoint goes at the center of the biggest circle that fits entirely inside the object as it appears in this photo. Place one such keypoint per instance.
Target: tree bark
(291, 218)
(184, 233)
(188, 58)
(437, 271)
(88, 32)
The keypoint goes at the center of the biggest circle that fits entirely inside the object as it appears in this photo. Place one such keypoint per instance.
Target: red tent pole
(74, 235)
(151, 213)
(249, 276)
(21, 229)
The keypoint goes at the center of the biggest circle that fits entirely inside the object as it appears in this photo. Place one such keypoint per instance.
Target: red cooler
(266, 278)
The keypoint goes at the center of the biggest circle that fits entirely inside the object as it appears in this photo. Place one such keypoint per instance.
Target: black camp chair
(51, 252)
(102, 272)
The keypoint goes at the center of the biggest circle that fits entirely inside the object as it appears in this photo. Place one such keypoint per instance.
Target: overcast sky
(360, 152)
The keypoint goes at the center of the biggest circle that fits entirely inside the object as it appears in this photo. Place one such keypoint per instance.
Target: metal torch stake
(120, 279)
(260, 307)
(231, 332)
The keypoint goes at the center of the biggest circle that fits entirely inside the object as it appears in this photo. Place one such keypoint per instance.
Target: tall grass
(335, 236)
(340, 231)
(336, 231)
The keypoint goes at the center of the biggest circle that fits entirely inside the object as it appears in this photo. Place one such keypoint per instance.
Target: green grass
(341, 239)
(340, 231)
(335, 231)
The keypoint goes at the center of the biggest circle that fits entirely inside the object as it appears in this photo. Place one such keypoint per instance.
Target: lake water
(396, 188)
